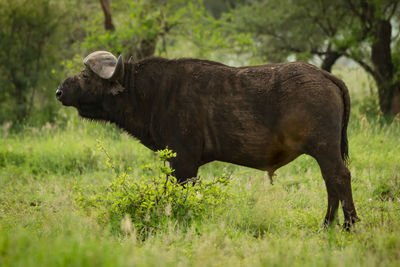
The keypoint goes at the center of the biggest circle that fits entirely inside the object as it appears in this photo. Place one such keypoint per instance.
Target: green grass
(41, 225)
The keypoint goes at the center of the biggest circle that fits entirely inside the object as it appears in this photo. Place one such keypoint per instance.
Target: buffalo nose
(59, 94)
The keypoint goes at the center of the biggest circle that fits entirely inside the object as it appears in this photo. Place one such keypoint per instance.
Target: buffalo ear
(105, 65)
(116, 88)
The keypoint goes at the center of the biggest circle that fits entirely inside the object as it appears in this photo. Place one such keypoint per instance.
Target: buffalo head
(99, 79)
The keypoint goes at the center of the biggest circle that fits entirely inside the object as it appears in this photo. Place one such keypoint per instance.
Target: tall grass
(41, 224)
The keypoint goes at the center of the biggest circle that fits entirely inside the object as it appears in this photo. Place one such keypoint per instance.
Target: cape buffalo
(260, 116)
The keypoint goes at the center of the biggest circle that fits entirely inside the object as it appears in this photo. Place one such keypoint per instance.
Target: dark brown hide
(261, 117)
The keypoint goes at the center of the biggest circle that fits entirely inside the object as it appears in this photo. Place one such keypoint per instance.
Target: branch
(105, 5)
(363, 64)
(329, 30)
(353, 7)
(363, 15)
(287, 46)
(315, 19)
(396, 3)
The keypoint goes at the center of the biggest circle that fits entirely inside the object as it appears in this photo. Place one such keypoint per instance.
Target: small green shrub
(155, 200)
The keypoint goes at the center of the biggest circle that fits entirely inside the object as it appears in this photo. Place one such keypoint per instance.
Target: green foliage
(219, 7)
(324, 31)
(146, 28)
(28, 39)
(155, 200)
(140, 25)
(44, 170)
(297, 29)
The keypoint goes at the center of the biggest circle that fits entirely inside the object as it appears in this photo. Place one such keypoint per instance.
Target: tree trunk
(330, 60)
(20, 102)
(381, 58)
(385, 93)
(105, 5)
(395, 107)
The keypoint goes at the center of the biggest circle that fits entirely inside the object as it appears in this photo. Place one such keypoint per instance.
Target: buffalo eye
(85, 76)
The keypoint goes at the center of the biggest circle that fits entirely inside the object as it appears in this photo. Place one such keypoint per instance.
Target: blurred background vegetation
(44, 41)
(52, 175)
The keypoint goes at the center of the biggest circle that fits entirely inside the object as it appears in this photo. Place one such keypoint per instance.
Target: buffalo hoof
(348, 224)
(327, 224)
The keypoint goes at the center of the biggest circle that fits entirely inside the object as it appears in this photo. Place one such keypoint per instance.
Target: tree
(300, 28)
(139, 26)
(147, 27)
(36, 37)
(108, 24)
(358, 29)
(27, 38)
(375, 21)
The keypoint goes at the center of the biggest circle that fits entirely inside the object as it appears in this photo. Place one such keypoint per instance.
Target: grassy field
(260, 225)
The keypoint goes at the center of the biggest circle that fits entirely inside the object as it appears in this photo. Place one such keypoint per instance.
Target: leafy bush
(150, 203)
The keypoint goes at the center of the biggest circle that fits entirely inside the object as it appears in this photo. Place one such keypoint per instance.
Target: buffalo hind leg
(346, 200)
(338, 184)
(333, 203)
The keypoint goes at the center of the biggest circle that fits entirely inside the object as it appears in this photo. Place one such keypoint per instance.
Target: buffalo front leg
(184, 169)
